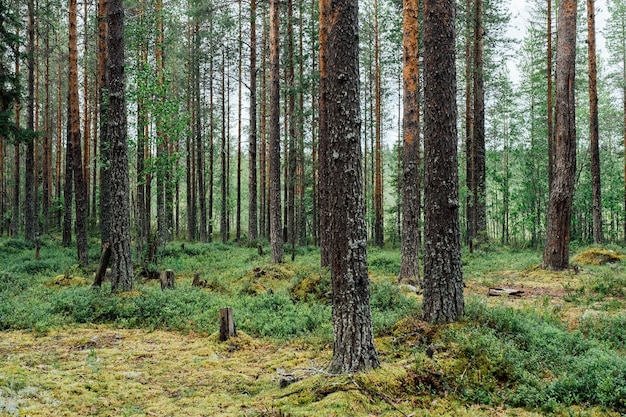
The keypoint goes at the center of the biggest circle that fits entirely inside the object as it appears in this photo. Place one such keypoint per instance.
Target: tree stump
(227, 324)
(197, 282)
(167, 279)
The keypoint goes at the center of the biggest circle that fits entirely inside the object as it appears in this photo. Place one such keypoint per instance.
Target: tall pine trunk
(556, 251)
(29, 194)
(80, 196)
(121, 266)
(594, 147)
(479, 193)
(379, 237)
(105, 199)
(409, 265)
(252, 142)
(276, 239)
(353, 344)
(443, 277)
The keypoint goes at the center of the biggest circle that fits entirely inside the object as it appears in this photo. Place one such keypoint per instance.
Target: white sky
(519, 24)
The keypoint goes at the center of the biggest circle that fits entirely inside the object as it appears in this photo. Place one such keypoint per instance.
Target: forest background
(198, 98)
(188, 77)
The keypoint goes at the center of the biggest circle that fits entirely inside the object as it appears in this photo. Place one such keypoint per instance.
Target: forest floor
(109, 369)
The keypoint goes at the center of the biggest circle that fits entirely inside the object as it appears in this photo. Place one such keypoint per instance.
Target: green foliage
(389, 305)
(529, 359)
(609, 329)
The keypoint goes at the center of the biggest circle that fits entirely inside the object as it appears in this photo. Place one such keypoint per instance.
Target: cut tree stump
(197, 282)
(167, 279)
(494, 292)
(227, 324)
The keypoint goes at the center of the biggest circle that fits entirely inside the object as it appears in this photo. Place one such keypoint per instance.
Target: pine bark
(105, 199)
(290, 179)
(142, 218)
(594, 147)
(239, 116)
(223, 156)
(323, 134)
(469, 127)
(15, 218)
(29, 183)
(556, 251)
(121, 266)
(443, 277)
(379, 237)
(314, 142)
(80, 196)
(253, 221)
(86, 113)
(479, 192)
(200, 151)
(263, 164)
(550, 104)
(353, 346)
(46, 194)
(276, 238)
(164, 202)
(409, 265)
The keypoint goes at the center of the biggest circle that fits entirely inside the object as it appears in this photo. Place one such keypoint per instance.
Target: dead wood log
(105, 257)
(495, 292)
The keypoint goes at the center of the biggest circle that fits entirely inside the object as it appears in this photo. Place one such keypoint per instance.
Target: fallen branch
(495, 292)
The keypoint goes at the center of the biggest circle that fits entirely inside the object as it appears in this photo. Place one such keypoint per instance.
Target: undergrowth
(504, 353)
(523, 358)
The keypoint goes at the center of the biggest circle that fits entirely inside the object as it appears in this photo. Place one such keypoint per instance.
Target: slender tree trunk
(37, 127)
(252, 156)
(624, 129)
(324, 134)
(409, 265)
(469, 129)
(223, 155)
(74, 116)
(353, 346)
(86, 112)
(68, 190)
(141, 217)
(276, 239)
(556, 252)
(314, 143)
(105, 166)
(594, 150)
(264, 204)
(379, 237)
(479, 193)
(15, 220)
(211, 143)
(300, 186)
(190, 162)
(29, 194)
(200, 151)
(443, 277)
(122, 265)
(59, 147)
(290, 179)
(164, 208)
(47, 145)
(550, 104)
(239, 116)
